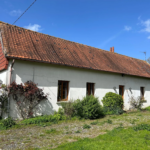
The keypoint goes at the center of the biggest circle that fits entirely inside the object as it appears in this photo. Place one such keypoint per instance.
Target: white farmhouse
(68, 70)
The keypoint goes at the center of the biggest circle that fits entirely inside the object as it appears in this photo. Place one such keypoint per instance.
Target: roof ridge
(73, 41)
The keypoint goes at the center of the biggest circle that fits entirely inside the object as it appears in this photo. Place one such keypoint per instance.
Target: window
(142, 92)
(121, 91)
(63, 90)
(90, 88)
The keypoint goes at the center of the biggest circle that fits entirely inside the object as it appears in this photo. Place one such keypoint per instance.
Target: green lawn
(117, 139)
(113, 132)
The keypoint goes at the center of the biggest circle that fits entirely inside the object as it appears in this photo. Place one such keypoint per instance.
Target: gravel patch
(68, 131)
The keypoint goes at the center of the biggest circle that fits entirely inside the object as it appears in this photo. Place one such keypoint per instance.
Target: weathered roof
(3, 59)
(24, 44)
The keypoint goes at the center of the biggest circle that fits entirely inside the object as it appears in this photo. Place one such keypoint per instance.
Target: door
(121, 91)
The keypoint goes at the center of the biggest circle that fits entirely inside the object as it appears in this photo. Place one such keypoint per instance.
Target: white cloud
(127, 28)
(34, 27)
(146, 25)
(15, 12)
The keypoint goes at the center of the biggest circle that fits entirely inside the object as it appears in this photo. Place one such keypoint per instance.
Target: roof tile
(3, 60)
(24, 44)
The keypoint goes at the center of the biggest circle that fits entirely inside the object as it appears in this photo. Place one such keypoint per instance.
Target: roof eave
(39, 61)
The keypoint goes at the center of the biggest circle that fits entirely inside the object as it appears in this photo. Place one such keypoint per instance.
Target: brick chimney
(112, 49)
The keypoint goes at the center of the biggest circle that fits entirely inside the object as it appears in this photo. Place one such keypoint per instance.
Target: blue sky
(124, 24)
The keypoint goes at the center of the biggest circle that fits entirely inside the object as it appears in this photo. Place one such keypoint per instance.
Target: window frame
(88, 89)
(66, 99)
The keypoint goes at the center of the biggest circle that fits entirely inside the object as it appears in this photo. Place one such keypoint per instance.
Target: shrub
(27, 96)
(88, 108)
(136, 102)
(86, 126)
(51, 131)
(43, 119)
(61, 114)
(3, 100)
(112, 100)
(77, 131)
(78, 108)
(7, 123)
(147, 108)
(94, 123)
(68, 108)
(142, 127)
(60, 111)
(91, 108)
(112, 110)
(109, 121)
(112, 103)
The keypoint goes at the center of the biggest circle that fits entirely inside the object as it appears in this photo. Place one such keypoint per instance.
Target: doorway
(121, 91)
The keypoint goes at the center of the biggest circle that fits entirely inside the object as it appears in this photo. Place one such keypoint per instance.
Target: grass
(109, 121)
(94, 123)
(118, 138)
(77, 131)
(147, 108)
(86, 126)
(104, 133)
(52, 131)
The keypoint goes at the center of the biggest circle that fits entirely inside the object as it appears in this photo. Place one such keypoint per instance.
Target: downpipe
(10, 77)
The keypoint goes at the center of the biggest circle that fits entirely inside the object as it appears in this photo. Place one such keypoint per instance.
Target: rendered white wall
(3, 76)
(47, 76)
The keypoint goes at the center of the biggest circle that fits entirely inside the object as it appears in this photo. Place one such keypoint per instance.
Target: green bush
(88, 108)
(112, 110)
(86, 126)
(77, 131)
(147, 108)
(109, 121)
(7, 123)
(51, 131)
(60, 111)
(142, 127)
(43, 119)
(112, 103)
(112, 100)
(68, 108)
(94, 123)
(78, 108)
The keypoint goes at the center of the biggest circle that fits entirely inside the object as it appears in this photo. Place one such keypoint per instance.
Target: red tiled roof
(24, 44)
(3, 60)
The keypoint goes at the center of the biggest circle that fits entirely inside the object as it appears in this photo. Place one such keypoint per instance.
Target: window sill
(59, 102)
